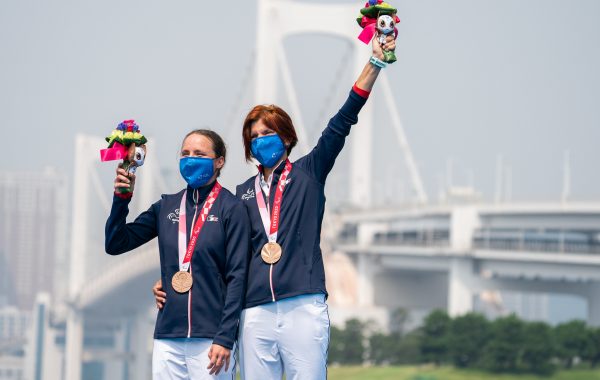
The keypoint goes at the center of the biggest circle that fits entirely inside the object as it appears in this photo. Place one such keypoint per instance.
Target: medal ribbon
(185, 255)
(271, 222)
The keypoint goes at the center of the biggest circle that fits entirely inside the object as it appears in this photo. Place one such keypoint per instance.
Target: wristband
(377, 62)
(124, 195)
(360, 92)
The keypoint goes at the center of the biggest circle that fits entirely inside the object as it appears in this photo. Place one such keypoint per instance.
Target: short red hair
(274, 118)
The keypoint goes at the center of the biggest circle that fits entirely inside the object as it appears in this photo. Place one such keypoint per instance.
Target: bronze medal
(182, 281)
(271, 253)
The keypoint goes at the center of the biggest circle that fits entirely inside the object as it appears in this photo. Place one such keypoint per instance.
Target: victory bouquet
(378, 17)
(126, 143)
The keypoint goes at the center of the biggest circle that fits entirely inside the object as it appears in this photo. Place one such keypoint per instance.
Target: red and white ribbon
(185, 255)
(271, 220)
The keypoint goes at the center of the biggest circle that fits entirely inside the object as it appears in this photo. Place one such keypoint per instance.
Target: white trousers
(291, 336)
(179, 359)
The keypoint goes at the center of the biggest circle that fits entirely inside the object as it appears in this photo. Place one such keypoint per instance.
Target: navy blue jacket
(300, 269)
(219, 263)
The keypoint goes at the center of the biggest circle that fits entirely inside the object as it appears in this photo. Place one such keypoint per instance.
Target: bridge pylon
(91, 270)
(279, 19)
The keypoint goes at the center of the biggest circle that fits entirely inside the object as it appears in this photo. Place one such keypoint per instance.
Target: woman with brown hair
(284, 327)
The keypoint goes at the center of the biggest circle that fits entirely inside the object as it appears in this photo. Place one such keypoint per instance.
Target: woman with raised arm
(203, 234)
(284, 326)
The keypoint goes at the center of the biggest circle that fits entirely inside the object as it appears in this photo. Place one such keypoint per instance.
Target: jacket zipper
(190, 291)
(271, 282)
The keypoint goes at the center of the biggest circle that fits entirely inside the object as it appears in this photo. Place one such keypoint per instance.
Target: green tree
(434, 342)
(592, 348)
(398, 319)
(408, 350)
(383, 348)
(346, 345)
(336, 345)
(538, 348)
(503, 352)
(468, 335)
(571, 338)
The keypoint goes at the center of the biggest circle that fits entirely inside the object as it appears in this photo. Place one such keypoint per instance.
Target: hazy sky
(475, 79)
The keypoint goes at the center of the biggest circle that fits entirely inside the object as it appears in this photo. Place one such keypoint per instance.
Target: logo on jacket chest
(249, 194)
(286, 182)
(174, 216)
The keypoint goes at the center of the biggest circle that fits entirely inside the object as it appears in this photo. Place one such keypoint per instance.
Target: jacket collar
(276, 173)
(199, 195)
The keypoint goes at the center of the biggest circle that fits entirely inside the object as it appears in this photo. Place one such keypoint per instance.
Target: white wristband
(377, 62)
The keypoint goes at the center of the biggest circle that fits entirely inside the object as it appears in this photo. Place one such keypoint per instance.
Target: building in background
(498, 259)
(13, 324)
(32, 236)
(11, 368)
(33, 257)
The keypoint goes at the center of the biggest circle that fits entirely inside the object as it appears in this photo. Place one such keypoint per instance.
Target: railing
(545, 241)
(556, 241)
(419, 238)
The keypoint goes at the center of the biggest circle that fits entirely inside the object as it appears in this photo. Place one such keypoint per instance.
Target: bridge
(452, 256)
(419, 256)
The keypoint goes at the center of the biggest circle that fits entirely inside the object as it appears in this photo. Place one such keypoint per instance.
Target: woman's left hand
(218, 356)
(389, 45)
(159, 295)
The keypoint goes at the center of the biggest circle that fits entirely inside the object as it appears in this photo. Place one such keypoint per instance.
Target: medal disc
(271, 253)
(182, 282)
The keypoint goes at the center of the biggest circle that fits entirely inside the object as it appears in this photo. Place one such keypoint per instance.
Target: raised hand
(124, 180)
(389, 45)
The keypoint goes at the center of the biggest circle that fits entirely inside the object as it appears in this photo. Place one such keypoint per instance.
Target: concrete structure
(448, 256)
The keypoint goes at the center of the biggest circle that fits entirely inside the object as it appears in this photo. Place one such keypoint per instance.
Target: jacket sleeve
(237, 229)
(320, 160)
(120, 236)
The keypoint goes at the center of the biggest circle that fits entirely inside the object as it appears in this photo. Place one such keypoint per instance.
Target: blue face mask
(268, 150)
(196, 171)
